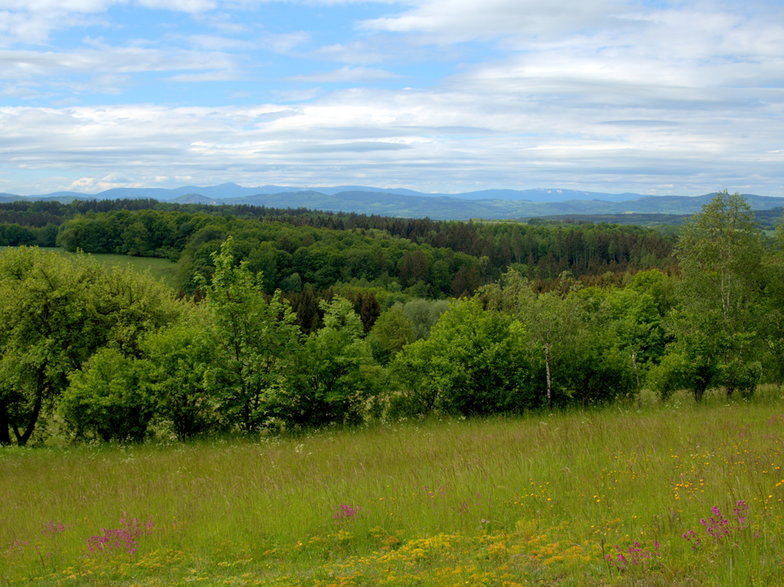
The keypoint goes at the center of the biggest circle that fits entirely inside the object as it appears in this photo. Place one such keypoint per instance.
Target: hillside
(486, 204)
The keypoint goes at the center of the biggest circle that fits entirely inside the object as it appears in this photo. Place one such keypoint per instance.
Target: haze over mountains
(490, 204)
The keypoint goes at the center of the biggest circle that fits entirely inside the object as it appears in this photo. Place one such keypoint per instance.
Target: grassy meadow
(161, 269)
(653, 494)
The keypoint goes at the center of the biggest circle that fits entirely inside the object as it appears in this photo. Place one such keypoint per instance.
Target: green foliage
(257, 340)
(392, 331)
(475, 362)
(422, 257)
(579, 350)
(55, 313)
(720, 253)
(113, 351)
(424, 314)
(178, 371)
(106, 399)
(330, 382)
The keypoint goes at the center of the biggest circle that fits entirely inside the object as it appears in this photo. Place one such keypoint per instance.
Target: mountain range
(489, 204)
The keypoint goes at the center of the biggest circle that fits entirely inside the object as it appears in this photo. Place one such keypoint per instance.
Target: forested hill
(296, 248)
(487, 204)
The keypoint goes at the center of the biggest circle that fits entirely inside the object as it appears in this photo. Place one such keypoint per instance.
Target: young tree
(178, 372)
(391, 332)
(331, 386)
(575, 356)
(475, 362)
(720, 254)
(258, 340)
(551, 319)
(106, 399)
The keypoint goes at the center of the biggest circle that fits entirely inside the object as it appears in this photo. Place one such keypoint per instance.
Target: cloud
(606, 95)
(354, 52)
(463, 20)
(92, 185)
(32, 22)
(191, 6)
(285, 43)
(419, 139)
(345, 75)
(21, 65)
(206, 76)
(351, 147)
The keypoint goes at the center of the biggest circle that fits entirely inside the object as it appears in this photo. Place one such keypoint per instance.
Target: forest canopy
(295, 248)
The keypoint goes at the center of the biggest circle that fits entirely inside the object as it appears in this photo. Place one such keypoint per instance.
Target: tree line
(435, 258)
(112, 355)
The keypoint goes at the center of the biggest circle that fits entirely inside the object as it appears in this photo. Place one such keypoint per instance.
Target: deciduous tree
(55, 313)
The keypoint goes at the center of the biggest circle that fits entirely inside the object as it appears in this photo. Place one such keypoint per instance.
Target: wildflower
(717, 526)
(692, 538)
(52, 528)
(124, 538)
(345, 512)
(741, 513)
(634, 555)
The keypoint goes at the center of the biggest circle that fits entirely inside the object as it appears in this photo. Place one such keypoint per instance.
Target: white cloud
(193, 6)
(354, 52)
(603, 95)
(32, 21)
(30, 65)
(460, 20)
(346, 75)
(206, 76)
(285, 43)
(419, 139)
(92, 185)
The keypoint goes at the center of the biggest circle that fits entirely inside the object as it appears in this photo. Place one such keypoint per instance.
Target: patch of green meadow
(160, 269)
(645, 493)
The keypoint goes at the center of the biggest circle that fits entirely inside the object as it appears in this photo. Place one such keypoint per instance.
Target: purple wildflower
(634, 555)
(126, 537)
(346, 512)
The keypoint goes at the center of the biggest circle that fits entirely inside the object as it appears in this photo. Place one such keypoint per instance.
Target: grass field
(161, 269)
(673, 494)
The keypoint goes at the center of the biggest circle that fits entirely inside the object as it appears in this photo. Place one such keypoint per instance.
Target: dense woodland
(299, 319)
(325, 248)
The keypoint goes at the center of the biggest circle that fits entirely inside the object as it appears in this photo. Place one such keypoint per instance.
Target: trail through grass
(598, 497)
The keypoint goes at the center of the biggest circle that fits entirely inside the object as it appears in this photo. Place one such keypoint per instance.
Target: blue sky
(682, 97)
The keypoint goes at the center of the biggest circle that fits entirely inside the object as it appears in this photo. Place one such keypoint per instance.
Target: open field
(674, 494)
(161, 269)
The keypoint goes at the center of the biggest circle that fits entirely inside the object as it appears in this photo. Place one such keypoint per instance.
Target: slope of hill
(488, 204)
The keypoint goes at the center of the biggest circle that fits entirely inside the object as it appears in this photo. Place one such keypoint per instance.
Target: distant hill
(489, 204)
(193, 199)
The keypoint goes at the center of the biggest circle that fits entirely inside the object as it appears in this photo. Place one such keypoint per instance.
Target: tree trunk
(21, 439)
(5, 434)
(42, 389)
(699, 392)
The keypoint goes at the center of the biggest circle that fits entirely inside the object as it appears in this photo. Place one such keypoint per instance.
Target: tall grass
(552, 498)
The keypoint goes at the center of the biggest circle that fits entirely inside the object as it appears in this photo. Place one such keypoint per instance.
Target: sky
(654, 97)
